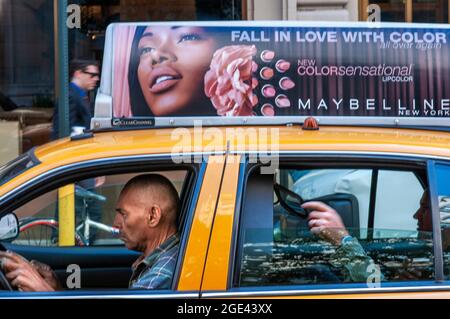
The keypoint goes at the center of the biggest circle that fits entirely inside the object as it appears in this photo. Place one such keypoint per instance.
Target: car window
(398, 192)
(93, 201)
(318, 183)
(443, 177)
(277, 246)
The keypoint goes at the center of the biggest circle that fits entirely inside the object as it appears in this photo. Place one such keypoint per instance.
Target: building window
(421, 11)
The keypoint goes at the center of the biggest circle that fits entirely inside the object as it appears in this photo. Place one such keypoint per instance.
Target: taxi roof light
(310, 124)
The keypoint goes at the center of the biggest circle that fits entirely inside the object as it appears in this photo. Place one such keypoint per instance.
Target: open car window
(76, 230)
(94, 202)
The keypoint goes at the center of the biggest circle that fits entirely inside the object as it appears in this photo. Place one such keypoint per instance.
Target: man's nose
(116, 222)
(416, 214)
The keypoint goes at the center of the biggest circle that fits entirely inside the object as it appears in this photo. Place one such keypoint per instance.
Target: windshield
(17, 166)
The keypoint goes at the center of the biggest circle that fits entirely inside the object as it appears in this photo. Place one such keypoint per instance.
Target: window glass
(443, 178)
(27, 69)
(423, 11)
(391, 10)
(279, 246)
(397, 192)
(321, 182)
(28, 95)
(426, 11)
(94, 202)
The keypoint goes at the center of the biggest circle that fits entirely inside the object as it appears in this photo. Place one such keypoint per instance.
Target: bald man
(146, 216)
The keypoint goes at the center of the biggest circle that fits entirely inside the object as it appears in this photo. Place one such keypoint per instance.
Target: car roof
(291, 138)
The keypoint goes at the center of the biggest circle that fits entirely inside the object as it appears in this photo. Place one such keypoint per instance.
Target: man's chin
(132, 247)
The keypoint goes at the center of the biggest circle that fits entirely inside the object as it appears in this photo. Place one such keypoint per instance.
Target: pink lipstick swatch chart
(273, 82)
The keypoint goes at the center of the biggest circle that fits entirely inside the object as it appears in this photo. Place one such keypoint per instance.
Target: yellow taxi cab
(243, 178)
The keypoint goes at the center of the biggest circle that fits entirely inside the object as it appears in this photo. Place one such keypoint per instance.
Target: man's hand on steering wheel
(22, 274)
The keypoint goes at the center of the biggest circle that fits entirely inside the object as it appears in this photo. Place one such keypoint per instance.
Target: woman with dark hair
(167, 69)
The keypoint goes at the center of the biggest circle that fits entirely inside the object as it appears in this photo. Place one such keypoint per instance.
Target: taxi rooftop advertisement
(214, 70)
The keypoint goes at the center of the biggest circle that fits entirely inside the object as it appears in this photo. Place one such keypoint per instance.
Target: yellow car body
(207, 263)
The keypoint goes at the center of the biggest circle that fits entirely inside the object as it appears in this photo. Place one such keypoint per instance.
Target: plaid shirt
(156, 270)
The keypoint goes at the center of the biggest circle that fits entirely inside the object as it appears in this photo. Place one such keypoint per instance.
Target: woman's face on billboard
(173, 62)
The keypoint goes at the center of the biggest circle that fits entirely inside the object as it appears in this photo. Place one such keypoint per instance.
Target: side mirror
(9, 227)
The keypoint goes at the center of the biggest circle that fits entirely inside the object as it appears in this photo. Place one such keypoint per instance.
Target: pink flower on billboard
(229, 82)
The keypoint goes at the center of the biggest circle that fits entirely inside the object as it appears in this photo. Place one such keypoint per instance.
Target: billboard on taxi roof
(192, 69)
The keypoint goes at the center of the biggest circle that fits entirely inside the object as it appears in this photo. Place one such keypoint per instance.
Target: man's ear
(154, 216)
(76, 74)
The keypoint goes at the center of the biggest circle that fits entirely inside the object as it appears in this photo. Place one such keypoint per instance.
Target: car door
(106, 266)
(217, 266)
(272, 253)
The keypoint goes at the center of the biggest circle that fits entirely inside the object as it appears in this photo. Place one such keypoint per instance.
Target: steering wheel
(4, 283)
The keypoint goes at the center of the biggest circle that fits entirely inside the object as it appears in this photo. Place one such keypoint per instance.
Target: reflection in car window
(283, 251)
(443, 177)
(17, 166)
(398, 192)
